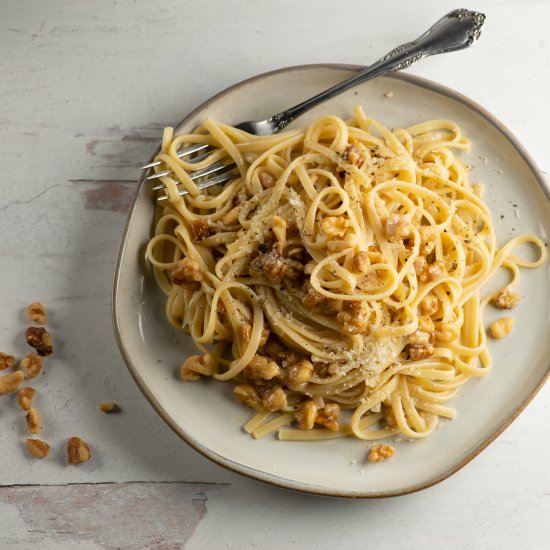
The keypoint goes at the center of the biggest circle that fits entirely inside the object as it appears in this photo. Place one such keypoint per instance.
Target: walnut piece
(262, 368)
(33, 421)
(246, 331)
(274, 399)
(422, 340)
(186, 270)
(6, 361)
(328, 416)
(32, 365)
(265, 337)
(39, 339)
(269, 264)
(314, 299)
(427, 272)
(108, 407)
(333, 226)
(381, 452)
(353, 318)
(501, 328)
(196, 365)
(36, 312)
(306, 414)
(301, 372)
(11, 382)
(397, 227)
(249, 397)
(37, 448)
(353, 155)
(506, 299)
(361, 262)
(77, 451)
(201, 230)
(429, 305)
(25, 397)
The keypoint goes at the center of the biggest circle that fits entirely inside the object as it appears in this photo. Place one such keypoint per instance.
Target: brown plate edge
(264, 476)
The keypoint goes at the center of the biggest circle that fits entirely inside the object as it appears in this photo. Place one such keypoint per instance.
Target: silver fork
(455, 31)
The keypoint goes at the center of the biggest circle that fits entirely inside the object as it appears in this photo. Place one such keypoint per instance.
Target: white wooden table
(84, 93)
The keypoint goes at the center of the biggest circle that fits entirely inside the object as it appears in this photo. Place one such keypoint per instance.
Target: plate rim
(264, 476)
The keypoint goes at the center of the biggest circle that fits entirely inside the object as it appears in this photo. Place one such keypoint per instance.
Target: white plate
(207, 416)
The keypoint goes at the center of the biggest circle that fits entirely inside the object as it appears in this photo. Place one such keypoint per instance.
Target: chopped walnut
(77, 451)
(301, 372)
(11, 382)
(249, 397)
(314, 299)
(352, 319)
(246, 331)
(108, 407)
(33, 421)
(279, 229)
(201, 230)
(428, 272)
(421, 341)
(36, 312)
(186, 270)
(446, 332)
(328, 416)
(274, 399)
(306, 414)
(232, 216)
(25, 398)
(428, 240)
(32, 365)
(37, 448)
(333, 226)
(273, 348)
(39, 339)
(376, 257)
(381, 452)
(506, 299)
(321, 370)
(6, 361)
(397, 227)
(196, 365)
(267, 180)
(429, 305)
(360, 262)
(353, 155)
(262, 368)
(269, 264)
(502, 327)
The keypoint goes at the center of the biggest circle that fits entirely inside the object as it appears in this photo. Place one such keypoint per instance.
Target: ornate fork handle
(455, 31)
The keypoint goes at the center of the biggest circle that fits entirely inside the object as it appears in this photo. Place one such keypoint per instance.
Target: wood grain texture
(133, 516)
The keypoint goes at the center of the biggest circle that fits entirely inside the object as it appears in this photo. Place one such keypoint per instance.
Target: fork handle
(455, 31)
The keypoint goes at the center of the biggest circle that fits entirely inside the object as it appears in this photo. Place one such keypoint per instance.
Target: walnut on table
(6, 361)
(108, 407)
(11, 382)
(33, 421)
(32, 365)
(25, 397)
(38, 448)
(78, 451)
(39, 339)
(36, 312)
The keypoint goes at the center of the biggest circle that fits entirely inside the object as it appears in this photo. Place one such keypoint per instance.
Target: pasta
(336, 281)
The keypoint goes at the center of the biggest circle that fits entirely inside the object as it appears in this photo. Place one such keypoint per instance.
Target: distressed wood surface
(86, 88)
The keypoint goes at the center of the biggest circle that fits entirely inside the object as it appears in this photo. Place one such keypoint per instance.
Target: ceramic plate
(207, 416)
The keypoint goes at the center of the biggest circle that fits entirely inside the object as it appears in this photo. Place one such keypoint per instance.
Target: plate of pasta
(362, 308)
